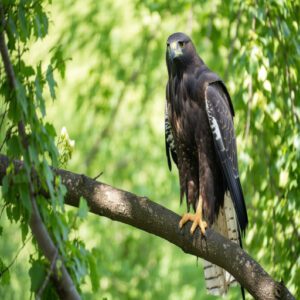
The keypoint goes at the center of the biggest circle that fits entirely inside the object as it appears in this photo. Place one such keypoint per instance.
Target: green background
(111, 101)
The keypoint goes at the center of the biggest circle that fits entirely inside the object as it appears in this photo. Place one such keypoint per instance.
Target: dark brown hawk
(201, 140)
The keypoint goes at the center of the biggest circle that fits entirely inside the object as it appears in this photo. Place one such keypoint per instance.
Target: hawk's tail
(217, 279)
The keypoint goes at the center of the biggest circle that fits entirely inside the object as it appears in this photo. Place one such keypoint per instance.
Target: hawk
(200, 138)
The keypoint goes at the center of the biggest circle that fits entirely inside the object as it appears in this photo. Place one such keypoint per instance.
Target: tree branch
(139, 212)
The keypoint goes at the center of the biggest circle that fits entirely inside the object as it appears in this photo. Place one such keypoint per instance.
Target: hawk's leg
(196, 218)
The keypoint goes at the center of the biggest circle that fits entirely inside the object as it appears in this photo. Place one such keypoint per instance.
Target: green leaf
(57, 60)
(12, 25)
(16, 213)
(23, 23)
(83, 208)
(25, 196)
(21, 97)
(39, 93)
(14, 146)
(4, 274)
(38, 27)
(286, 29)
(24, 231)
(5, 185)
(50, 130)
(48, 176)
(33, 153)
(14, 113)
(51, 82)
(28, 71)
(94, 276)
(37, 274)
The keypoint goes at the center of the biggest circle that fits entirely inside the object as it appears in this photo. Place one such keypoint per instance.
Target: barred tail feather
(217, 279)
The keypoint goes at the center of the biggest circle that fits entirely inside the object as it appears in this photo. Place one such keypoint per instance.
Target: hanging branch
(65, 286)
(142, 213)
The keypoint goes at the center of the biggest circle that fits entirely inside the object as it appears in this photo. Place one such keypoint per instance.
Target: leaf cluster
(24, 98)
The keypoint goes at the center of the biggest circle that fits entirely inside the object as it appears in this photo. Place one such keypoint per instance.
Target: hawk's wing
(221, 124)
(170, 144)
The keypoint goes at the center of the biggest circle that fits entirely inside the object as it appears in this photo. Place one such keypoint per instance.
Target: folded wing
(221, 124)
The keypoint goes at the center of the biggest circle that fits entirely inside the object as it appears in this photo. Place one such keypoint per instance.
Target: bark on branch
(142, 213)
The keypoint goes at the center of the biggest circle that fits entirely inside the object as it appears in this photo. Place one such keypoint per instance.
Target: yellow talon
(197, 221)
(196, 218)
(185, 218)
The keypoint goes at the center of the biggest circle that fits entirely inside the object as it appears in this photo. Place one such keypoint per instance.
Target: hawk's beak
(174, 50)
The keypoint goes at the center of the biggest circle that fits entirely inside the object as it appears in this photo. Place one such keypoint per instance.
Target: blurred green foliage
(111, 102)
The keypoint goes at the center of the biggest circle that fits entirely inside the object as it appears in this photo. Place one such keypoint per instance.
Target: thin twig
(3, 116)
(7, 136)
(2, 209)
(50, 271)
(15, 257)
(96, 177)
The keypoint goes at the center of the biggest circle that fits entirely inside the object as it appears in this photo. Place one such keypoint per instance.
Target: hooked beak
(174, 50)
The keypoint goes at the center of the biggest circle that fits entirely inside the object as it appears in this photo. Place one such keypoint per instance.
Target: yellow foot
(197, 221)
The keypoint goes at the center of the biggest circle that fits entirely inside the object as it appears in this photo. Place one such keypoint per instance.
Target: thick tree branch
(125, 207)
(65, 286)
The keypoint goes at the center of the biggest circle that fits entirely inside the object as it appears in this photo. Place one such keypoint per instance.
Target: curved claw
(185, 218)
(197, 221)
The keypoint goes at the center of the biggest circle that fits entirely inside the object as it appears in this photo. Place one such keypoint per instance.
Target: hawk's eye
(181, 44)
(168, 45)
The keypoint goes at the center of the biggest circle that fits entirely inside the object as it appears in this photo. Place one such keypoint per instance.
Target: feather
(218, 280)
(169, 140)
(221, 124)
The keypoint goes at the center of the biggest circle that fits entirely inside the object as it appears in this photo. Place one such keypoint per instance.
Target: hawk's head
(180, 51)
